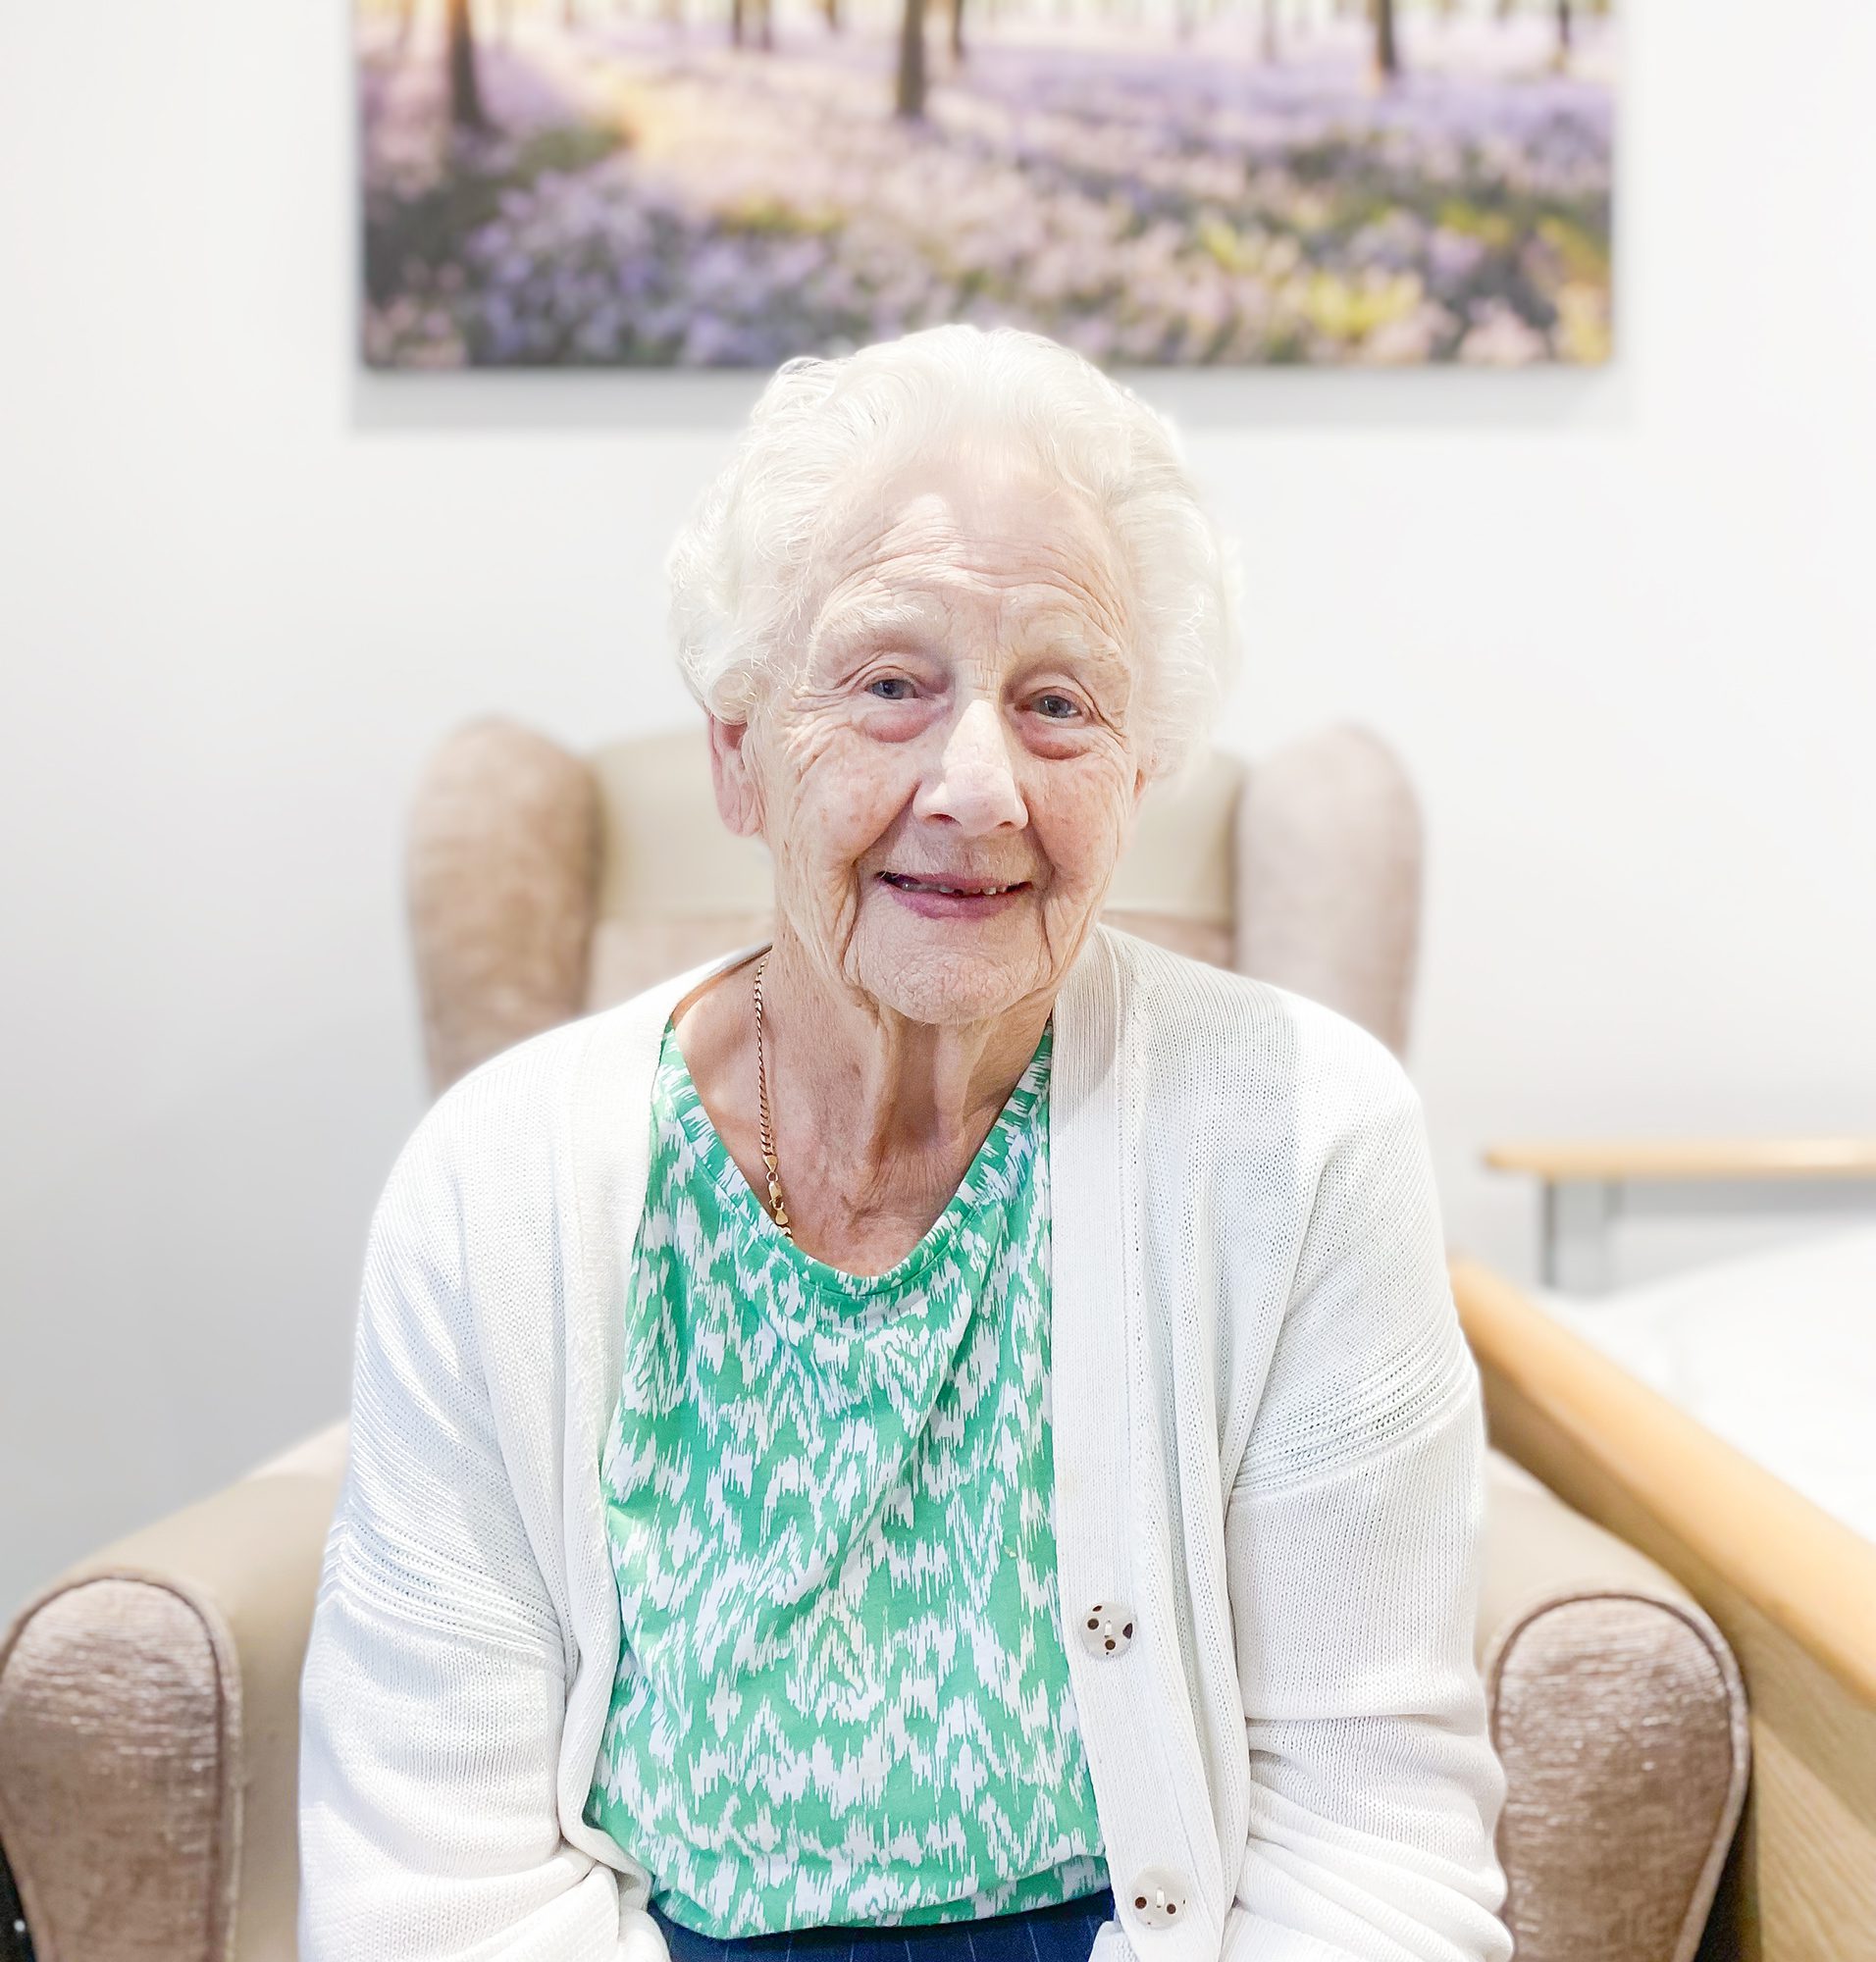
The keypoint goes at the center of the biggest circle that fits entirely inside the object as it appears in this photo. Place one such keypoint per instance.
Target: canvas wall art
(693, 183)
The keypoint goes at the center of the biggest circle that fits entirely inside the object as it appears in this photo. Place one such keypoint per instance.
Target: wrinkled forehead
(994, 530)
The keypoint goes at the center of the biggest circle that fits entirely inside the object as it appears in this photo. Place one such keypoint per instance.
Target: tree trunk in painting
(831, 8)
(1563, 33)
(736, 24)
(911, 102)
(1386, 47)
(465, 97)
(957, 29)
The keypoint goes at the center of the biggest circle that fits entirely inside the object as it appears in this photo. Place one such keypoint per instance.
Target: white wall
(1620, 624)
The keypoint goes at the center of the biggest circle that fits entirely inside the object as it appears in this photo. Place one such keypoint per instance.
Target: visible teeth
(925, 886)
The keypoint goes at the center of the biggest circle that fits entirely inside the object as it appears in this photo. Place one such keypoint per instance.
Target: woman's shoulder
(495, 1130)
(1201, 1032)
(547, 1109)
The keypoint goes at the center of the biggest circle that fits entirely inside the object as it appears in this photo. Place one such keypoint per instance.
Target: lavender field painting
(727, 182)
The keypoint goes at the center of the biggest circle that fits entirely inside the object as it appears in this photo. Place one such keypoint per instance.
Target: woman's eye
(889, 681)
(1067, 701)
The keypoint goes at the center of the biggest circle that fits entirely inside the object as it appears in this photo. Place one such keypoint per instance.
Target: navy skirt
(1063, 1932)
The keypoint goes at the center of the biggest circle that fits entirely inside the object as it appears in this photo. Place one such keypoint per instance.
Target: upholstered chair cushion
(150, 1731)
(149, 1728)
(502, 864)
(1620, 1716)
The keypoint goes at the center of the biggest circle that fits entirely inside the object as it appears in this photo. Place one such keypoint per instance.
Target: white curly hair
(827, 432)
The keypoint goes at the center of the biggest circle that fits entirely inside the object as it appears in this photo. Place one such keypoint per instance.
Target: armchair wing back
(544, 885)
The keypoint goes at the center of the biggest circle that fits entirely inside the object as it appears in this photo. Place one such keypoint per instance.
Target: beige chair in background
(148, 1696)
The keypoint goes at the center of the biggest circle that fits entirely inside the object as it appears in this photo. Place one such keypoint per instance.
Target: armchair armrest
(1618, 1711)
(150, 1731)
(149, 1728)
(1792, 1590)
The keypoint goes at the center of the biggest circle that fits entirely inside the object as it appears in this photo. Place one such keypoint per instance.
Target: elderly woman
(945, 1428)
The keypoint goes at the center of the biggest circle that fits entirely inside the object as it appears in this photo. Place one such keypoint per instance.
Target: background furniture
(1793, 1588)
(544, 885)
(1773, 1350)
(1588, 1186)
(148, 1696)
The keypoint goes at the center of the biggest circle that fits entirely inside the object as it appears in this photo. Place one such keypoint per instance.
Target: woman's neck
(875, 1118)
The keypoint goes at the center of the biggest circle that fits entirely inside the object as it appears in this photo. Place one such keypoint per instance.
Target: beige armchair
(148, 1696)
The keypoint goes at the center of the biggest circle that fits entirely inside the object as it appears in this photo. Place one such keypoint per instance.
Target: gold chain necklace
(762, 1088)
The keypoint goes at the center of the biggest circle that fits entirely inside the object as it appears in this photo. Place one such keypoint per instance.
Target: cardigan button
(1107, 1628)
(1158, 1898)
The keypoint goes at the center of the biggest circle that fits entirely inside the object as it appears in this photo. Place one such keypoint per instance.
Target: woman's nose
(975, 782)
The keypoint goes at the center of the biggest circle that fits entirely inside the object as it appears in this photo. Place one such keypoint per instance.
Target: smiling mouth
(972, 889)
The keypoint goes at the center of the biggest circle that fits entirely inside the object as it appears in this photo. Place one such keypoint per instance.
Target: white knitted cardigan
(1268, 1451)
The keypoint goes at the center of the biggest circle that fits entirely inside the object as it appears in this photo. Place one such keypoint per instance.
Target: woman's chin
(936, 972)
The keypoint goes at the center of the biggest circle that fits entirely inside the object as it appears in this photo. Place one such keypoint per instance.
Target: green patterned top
(841, 1694)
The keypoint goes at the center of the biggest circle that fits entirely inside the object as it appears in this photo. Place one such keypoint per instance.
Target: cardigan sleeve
(432, 1695)
(1352, 1541)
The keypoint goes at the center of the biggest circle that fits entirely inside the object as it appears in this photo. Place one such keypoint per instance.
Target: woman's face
(959, 714)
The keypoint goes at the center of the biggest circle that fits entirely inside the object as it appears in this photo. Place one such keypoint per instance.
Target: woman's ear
(738, 802)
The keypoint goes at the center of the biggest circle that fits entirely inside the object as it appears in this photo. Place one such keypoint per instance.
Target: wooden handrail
(1811, 1575)
(1689, 1157)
